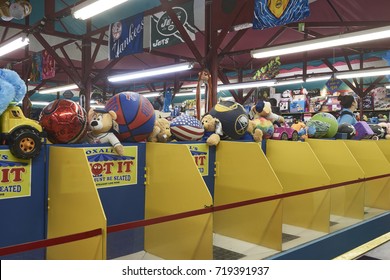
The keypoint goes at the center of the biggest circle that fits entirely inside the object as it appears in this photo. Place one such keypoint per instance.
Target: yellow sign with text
(110, 169)
(15, 175)
(200, 153)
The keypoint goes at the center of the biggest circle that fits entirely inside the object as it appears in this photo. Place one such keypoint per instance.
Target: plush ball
(187, 128)
(348, 129)
(135, 116)
(331, 120)
(64, 121)
(266, 126)
(233, 118)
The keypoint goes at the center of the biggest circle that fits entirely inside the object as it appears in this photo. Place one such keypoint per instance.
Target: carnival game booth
(23, 202)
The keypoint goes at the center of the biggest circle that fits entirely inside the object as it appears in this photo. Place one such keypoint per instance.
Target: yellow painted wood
(374, 163)
(174, 185)
(74, 206)
(341, 166)
(298, 168)
(384, 146)
(244, 173)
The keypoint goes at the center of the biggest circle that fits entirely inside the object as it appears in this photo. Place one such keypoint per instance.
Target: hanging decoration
(271, 13)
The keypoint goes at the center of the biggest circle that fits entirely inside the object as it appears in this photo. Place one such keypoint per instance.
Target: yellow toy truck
(22, 135)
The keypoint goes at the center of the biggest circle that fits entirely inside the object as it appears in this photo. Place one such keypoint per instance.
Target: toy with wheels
(22, 135)
(285, 132)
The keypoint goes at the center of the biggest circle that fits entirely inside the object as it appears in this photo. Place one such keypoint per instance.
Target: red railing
(125, 226)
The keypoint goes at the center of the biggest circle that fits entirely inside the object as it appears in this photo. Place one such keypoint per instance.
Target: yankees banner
(164, 32)
(271, 13)
(126, 36)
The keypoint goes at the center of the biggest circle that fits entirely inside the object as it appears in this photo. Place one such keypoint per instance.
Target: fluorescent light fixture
(318, 78)
(89, 9)
(322, 43)
(13, 45)
(40, 103)
(57, 89)
(288, 82)
(363, 73)
(266, 83)
(151, 94)
(151, 72)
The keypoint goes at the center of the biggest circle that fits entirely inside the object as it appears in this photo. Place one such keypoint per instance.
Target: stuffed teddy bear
(253, 131)
(386, 127)
(263, 109)
(18, 9)
(101, 123)
(12, 88)
(212, 130)
(161, 131)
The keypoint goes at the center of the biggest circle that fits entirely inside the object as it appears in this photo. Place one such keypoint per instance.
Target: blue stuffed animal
(12, 88)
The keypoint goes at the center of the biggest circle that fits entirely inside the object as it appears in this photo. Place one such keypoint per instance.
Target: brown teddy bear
(101, 123)
(264, 109)
(161, 131)
(254, 130)
(18, 9)
(212, 130)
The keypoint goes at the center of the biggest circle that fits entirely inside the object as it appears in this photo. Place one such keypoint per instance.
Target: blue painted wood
(337, 243)
(23, 219)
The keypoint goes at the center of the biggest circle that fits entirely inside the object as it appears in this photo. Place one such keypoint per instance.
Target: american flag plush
(187, 128)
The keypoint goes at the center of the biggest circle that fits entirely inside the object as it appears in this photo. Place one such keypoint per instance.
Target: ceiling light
(89, 9)
(151, 72)
(322, 43)
(13, 45)
(266, 83)
(57, 89)
(151, 94)
(318, 78)
(288, 82)
(363, 73)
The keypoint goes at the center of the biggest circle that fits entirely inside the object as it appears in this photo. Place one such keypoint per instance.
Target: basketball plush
(331, 120)
(135, 116)
(64, 121)
(233, 118)
(187, 128)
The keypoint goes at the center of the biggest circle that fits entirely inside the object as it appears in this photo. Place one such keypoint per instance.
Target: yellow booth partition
(384, 146)
(298, 168)
(243, 173)
(341, 166)
(374, 163)
(74, 206)
(175, 185)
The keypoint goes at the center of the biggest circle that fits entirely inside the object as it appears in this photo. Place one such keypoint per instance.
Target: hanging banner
(36, 68)
(110, 169)
(48, 66)
(126, 37)
(200, 153)
(164, 33)
(333, 84)
(15, 176)
(271, 13)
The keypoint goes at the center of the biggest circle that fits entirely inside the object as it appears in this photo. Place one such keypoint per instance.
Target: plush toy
(101, 123)
(18, 9)
(386, 127)
(263, 109)
(254, 129)
(12, 88)
(300, 127)
(212, 130)
(161, 131)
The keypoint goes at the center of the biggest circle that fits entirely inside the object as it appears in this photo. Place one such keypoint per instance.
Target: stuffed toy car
(264, 109)
(101, 123)
(161, 131)
(212, 130)
(18, 9)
